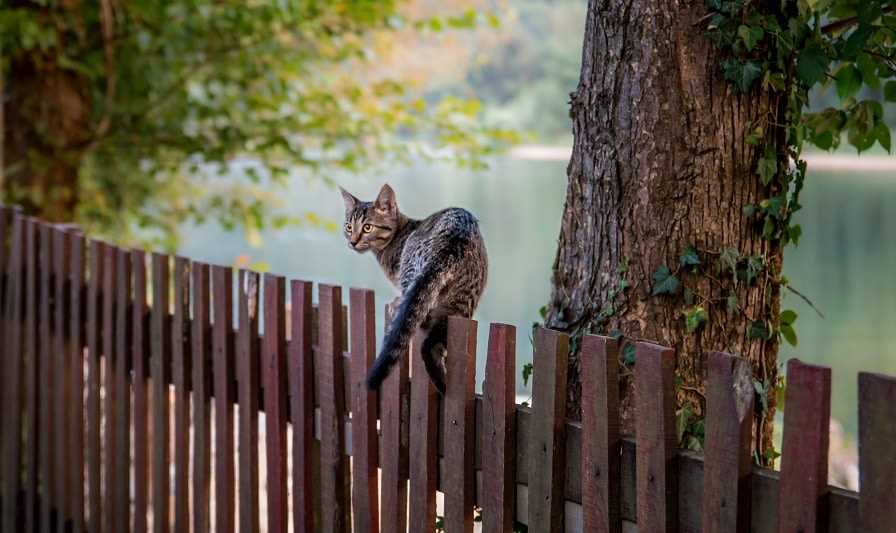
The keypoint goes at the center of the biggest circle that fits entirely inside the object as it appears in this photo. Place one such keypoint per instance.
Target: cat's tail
(417, 301)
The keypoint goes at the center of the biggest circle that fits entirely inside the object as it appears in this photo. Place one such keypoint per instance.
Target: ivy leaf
(882, 133)
(890, 91)
(758, 330)
(689, 257)
(856, 41)
(743, 75)
(868, 67)
(628, 354)
(750, 35)
(794, 233)
(528, 368)
(788, 316)
(849, 81)
(768, 166)
(811, 65)
(664, 282)
(789, 334)
(728, 259)
(694, 317)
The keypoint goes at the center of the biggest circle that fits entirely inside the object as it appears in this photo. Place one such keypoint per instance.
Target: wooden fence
(93, 375)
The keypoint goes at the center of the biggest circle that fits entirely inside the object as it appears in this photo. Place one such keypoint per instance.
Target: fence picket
(12, 380)
(248, 391)
(160, 371)
(62, 443)
(804, 461)
(122, 363)
(47, 378)
(94, 365)
(334, 481)
(460, 397)
(877, 453)
(548, 445)
(180, 374)
(422, 450)
(655, 428)
(222, 349)
(499, 425)
(140, 354)
(728, 464)
(301, 387)
(599, 360)
(202, 388)
(394, 397)
(76, 385)
(275, 400)
(365, 493)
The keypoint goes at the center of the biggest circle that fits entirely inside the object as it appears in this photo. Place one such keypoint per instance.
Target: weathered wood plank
(422, 450)
(62, 443)
(47, 378)
(599, 360)
(727, 464)
(161, 374)
(202, 389)
(877, 452)
(499, 425)
(248, 392)
(222, 350)
(140, 354)
(75, 352)
(14, 302)
(547, 457)
(334, 482)
(274, 375)
(459, 400)
(394, 395)
(122, 407)
(301, 389)
(181, 375)
(31, 335)
(365, 490)
(94, 369)
(804, 460)
(655, 428)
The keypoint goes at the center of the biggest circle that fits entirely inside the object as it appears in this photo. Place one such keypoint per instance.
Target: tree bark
(661, 162)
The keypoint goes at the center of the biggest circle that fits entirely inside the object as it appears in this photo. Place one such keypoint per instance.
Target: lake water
(845, 262)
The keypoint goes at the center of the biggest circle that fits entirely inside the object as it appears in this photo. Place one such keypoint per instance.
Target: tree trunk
(661, 162)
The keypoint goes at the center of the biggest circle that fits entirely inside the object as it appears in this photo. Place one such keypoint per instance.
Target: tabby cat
(438, 264)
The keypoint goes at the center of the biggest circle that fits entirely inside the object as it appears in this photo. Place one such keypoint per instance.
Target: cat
(438, 264)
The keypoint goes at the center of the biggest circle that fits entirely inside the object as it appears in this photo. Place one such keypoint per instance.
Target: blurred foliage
(202, 109)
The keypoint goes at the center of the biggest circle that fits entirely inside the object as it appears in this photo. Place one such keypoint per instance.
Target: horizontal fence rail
(140, 394)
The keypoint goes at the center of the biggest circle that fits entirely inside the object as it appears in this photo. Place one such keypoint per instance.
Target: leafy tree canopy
(180, 93)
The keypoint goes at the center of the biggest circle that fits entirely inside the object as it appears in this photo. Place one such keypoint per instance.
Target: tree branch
(843, 24)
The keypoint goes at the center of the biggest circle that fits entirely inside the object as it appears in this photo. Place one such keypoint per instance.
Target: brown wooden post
(365, 493)
(202, 388)
(222, 349)
(601, 491)
(804, 460)
(249, 385)
(727, 465)
(275, 400)
(76, 385)
(94, 350)
(160, 340)
(48, 379)
(301, 387)
(460, 430)
(655, 428)
(499, 427)
(547, 457)
(62, 441)
(122, 407)
(139, 344)
(181, 374)
(394, 396)
(422, 451)
(335, 499)
(877, 452)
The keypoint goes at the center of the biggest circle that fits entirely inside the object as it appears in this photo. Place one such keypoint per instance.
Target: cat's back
(455, 221)
(453, 230)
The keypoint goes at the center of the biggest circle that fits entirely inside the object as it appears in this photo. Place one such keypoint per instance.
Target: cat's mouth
(360, 247)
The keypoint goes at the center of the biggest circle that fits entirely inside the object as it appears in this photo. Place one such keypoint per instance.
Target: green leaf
(728, 259)
(750, 35)
(758, 330)
(689, 257)
(694, 317)
(528, 368)
(890, 91)
(767, 166)
(849, 81)
(794, 233)
(856, 41)
(664, 282)
(789, 334)
(812, 63)
(788, 316)
(628, 354)
(882, 132)
(868, 66)
(742, 74)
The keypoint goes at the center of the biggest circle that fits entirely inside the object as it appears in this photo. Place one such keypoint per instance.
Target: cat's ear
(385, 200)
(349, 199)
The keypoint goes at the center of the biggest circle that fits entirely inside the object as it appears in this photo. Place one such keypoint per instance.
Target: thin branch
(805, 299)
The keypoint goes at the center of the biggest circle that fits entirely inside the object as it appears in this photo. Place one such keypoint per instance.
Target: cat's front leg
(392, 307)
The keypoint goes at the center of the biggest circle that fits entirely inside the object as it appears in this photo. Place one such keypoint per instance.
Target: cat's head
(370, 225)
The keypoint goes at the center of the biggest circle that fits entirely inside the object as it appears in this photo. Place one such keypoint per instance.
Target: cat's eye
(348, 227)
(366, 228)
